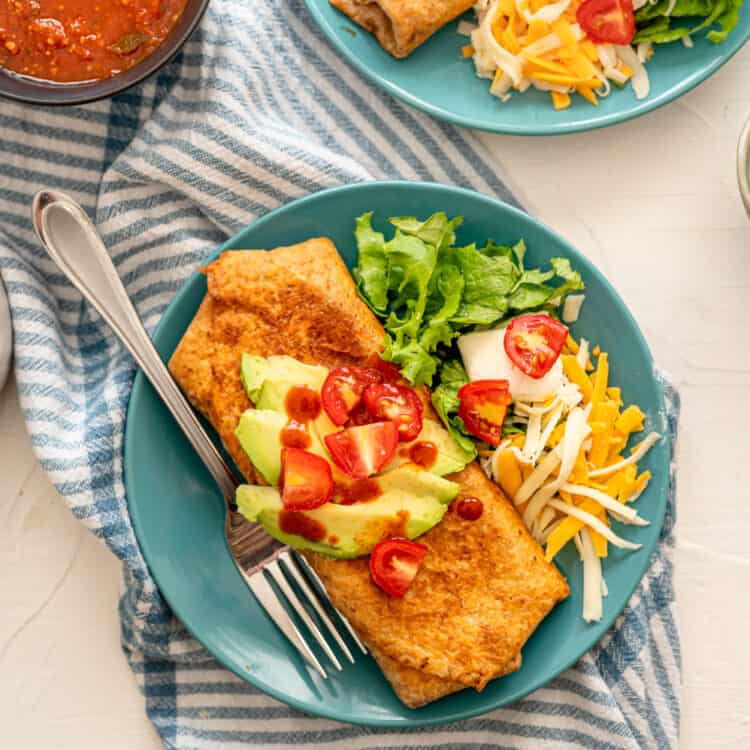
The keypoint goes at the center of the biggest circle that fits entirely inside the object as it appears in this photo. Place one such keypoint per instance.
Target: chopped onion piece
(592, 579)
(502, 87)
(486, 45)
(607, 55)
(639, 4)
(670, 7)
(634, 458)
(644, 51)
(572, 307)
(535, 480)
(583, 353)
(616, 75)
(594, 523)
(639, 80)
(687, 40)
(616, 508)
(465, 28)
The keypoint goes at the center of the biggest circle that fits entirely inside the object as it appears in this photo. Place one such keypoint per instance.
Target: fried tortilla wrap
(402, 25)
(484, 585)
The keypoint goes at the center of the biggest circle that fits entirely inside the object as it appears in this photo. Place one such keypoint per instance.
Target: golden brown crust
(402, 25)
(480, 593)
(484, 586)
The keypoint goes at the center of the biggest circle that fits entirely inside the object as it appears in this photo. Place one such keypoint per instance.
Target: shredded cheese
(539, 43)
(639, 453)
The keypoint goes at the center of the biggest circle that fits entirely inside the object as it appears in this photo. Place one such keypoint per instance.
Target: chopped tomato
(398, 404)
(534, 342)
(390, 371)
(363, 450)
(306, 480)
(394, 564)
(343, 389)
(607, 21)
(482, 408)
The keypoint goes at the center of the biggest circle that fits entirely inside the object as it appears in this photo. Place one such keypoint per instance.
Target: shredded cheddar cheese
(520, 44)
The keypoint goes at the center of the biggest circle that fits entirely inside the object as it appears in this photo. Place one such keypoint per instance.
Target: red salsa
(82, 40)
(358, 491)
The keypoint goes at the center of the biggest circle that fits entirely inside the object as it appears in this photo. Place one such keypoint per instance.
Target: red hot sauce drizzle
(302, 405)
(423, 454)
(296, 522)
(469, 508)
(360, 491)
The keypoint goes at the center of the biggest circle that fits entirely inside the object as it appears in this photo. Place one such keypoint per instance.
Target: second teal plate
(435, 78)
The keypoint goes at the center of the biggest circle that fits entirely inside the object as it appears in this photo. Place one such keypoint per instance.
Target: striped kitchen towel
(256, 111)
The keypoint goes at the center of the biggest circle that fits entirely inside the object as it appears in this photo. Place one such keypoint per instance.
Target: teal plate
(437, 79)
(178, 513)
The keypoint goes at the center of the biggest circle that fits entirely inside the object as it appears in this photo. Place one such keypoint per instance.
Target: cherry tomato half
(390, 371)
(363, 450)
(306, 480)
(607, 21)
(343, 389)
(534, 342)
(482, 408)
(394, 564)
(398, 404)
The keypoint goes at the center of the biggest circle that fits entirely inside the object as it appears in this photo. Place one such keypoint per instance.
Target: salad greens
(428, 291)
(658, 22)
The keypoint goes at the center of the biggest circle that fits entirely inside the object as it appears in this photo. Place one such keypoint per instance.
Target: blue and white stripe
(256, 111)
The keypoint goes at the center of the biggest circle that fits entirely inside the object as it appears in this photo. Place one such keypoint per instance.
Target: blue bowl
(179, 515)
(438, 80)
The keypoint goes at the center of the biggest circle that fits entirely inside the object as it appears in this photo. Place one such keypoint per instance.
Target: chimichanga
(402, 25)
(484, 586)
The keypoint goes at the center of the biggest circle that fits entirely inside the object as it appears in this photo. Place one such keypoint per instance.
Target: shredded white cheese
(592, 578)
(594, 523)
(614, 507)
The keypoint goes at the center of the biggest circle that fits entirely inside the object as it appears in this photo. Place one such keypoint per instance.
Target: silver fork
(73, 243)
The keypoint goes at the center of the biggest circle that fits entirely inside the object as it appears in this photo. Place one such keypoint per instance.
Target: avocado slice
(412, 501)
(255, 371)
(451, 457)
(259, 433)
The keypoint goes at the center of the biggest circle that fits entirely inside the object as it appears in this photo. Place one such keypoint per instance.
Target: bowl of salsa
(75, 51)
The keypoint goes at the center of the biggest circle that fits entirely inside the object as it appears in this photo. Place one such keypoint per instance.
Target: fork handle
(73, 243)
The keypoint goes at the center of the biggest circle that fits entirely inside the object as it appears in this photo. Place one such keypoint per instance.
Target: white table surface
(654, 203)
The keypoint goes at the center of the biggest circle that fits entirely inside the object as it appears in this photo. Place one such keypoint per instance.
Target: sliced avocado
(451, 457)
(413, 501)
(259, 433)
(255, 371)
(273, 396)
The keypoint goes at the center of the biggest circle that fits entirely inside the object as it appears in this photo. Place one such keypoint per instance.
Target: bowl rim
(56, 94)
(743, 165)
(140, 383)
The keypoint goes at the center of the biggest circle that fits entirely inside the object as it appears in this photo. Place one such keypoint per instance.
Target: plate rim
(319, 708)
(641, 108)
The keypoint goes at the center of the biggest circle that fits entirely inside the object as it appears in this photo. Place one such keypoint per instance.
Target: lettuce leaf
(445, 400)
(654, 25)
(428, 290)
